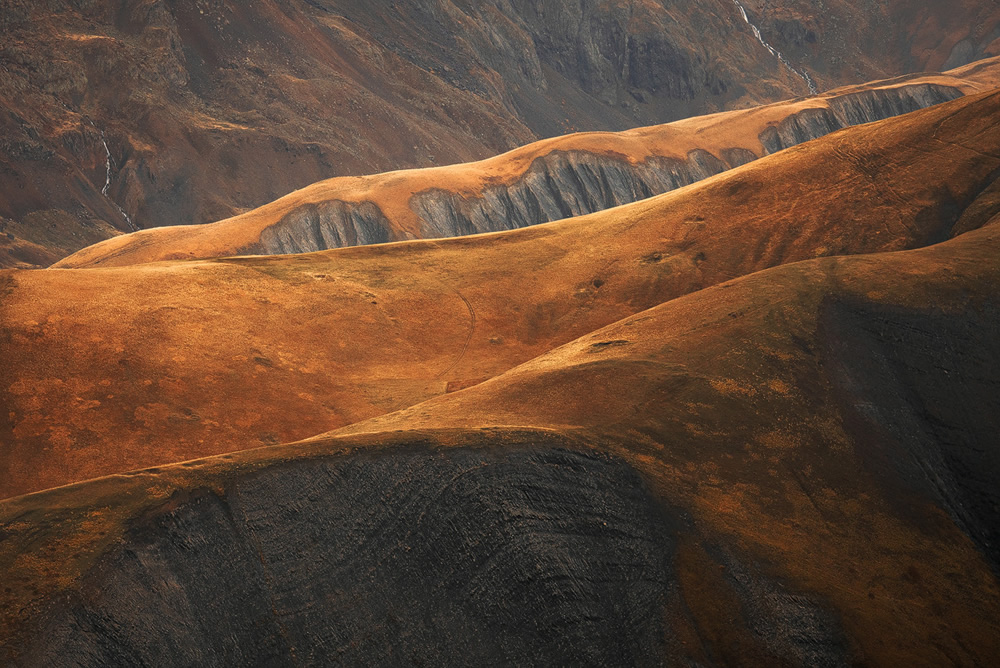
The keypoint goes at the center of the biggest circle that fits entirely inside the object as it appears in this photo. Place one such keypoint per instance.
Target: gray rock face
(560, 185)
(332, 224)
(573, 183)
(854, 109)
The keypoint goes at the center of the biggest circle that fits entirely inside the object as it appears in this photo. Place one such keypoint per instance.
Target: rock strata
(436, 558)
(331, 224)
(564, 184)
(853, 109)
(502, 554)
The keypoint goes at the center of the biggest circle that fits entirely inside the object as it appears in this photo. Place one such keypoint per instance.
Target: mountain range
(712, 381)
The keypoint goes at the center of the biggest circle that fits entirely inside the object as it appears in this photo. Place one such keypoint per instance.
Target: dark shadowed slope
(548, 180)
(106, 370)
(797, 467)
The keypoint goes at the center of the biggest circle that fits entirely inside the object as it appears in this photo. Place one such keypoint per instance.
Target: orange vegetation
(167, 361)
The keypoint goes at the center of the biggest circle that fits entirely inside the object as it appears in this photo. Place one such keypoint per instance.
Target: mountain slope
(783, 469)
(124, 114)
(168, 361)
(836, 417)
(547, 180)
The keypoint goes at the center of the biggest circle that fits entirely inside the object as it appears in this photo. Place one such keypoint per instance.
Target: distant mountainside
(547, 180)
(126, 114)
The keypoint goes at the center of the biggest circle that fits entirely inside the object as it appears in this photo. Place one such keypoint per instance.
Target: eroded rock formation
(565, 184)
(853, 109)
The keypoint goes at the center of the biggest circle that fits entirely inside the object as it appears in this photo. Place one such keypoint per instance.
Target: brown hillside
(119, 114)
(795, 467)
(168, 361)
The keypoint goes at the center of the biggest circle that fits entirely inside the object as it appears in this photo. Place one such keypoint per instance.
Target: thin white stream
(774, 52)
(107, 180)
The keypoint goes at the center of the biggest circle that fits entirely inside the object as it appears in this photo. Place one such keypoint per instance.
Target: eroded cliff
(564, 184)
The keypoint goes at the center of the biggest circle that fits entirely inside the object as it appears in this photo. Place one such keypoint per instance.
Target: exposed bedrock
(332, 224)
(563, 184)
(416, 556)
(853, 109)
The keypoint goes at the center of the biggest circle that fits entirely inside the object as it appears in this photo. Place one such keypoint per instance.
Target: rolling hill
(548, 180)
(161, 362)
(793, 467)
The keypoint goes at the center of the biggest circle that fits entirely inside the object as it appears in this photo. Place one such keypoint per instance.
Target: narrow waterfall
(802, 74)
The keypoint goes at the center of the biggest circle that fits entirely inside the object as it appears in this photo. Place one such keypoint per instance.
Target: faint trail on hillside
(802, 74)
(468, 339)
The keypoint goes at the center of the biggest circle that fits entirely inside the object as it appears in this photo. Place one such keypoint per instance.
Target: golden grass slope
(392, 192)
(106, 370)
(725, 402)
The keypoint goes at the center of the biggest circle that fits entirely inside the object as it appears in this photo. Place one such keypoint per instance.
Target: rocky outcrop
(556, 186)
(332, 224)
(854, 109)
(564, 184)
(561, 185)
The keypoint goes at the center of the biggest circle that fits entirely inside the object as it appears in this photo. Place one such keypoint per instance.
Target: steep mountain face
(124, 114)
(544, 181)
(836, 39)
(187, 359)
